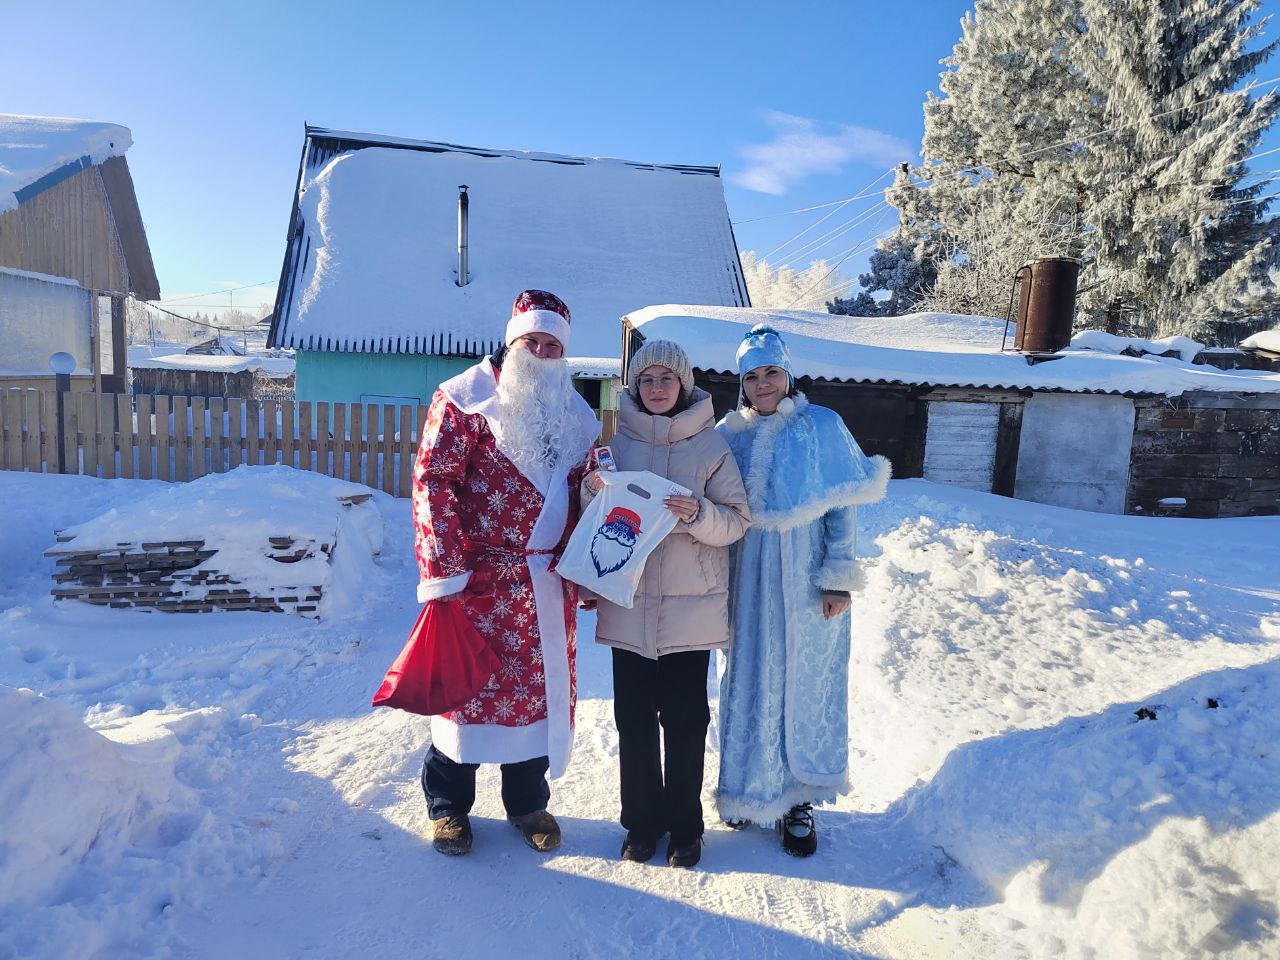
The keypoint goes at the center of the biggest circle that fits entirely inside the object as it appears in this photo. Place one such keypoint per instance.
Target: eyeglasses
(666, 382)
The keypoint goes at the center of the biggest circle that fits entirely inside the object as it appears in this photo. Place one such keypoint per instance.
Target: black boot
(638, 848)
(684, 854)
(799, 835)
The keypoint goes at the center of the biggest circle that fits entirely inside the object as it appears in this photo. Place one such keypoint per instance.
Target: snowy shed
(378, 303)
(1090, 429)
(72, 248)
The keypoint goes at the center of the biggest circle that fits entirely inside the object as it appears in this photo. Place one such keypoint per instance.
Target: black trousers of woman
(672, 692)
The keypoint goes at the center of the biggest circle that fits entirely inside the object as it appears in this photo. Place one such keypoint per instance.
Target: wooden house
(72, 248)
(403, 256)
(1085, 429)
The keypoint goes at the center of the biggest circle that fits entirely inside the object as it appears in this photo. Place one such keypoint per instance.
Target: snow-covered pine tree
(999, 183)
(1177, 226)
(896, 268)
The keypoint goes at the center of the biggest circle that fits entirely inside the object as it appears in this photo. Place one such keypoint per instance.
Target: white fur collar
(743, 417)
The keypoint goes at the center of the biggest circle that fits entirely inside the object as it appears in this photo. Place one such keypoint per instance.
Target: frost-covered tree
(1175, 226)
(785, 287)
(999, 182)
(1112, 130)
(895, 268)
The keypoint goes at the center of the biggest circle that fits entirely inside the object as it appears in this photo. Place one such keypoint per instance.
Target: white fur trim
(758, 470)
(849, 494)
(442, 586)
(842, 576)
(767, 814)
(539, 321)
(488, 742)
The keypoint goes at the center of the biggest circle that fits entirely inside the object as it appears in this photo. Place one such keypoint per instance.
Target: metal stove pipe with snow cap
(464, 205)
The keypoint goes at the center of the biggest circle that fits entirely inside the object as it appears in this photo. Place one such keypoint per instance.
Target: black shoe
(799, 835)
(452, 835)
(735, 824)
(684, 854)
(638, 848)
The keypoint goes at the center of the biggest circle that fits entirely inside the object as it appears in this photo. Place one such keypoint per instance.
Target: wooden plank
(48, 432)
(217, 434)
(322, 438)
(124, 435)
(253, 432)
(146, 448)
(287, 433)
(164, 453)
(86, 431)
(270, 431)
(1004, 474)
(387, 447)
(357, 442)
(181, 439)
(106, 417)
(341, 470)
(405, 449)
(70, 430)
(235, 435)
(199, 438)
(30, 427)
(11, 419)
(304, 436)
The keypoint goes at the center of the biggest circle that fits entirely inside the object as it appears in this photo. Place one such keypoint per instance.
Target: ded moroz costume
(494, 499)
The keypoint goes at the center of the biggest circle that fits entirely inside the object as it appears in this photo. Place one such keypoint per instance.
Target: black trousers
(671, 691)
(450, 787)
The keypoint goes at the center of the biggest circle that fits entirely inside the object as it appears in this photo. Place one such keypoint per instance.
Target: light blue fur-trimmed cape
(784, 693)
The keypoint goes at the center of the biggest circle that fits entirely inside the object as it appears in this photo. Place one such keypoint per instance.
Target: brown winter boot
(452, 835)
(539, 829)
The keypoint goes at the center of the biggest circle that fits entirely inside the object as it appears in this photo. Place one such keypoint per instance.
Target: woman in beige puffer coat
(661, 646)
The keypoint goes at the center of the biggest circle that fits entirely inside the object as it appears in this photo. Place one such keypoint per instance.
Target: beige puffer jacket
(683, 598)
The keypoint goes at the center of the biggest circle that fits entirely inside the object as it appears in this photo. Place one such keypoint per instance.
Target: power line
(821, 219)
(211, 293)
(802, 298)
(815, 245)
(1081, 139)
(198, 323)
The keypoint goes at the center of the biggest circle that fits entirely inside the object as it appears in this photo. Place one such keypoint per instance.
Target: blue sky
(800, 103)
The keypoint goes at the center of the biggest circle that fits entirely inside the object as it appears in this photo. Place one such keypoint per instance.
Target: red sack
(444, 664)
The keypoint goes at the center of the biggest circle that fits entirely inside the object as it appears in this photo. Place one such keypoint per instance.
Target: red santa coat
(484, 527)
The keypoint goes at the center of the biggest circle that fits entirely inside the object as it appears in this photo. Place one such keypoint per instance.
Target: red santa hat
(536, 311)
(629, 517)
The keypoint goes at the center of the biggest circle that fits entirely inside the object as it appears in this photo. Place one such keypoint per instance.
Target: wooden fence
(182, 438)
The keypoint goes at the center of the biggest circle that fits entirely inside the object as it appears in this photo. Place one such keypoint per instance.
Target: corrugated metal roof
(930, 350)
(370, 261)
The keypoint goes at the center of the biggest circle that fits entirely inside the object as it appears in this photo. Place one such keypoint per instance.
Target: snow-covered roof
(141, 358)
(372, 258)
(933, 349)
(1268, 340)
(594, 368)
(39, 152)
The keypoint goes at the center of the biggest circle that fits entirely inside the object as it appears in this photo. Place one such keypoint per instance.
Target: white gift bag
(617, 532)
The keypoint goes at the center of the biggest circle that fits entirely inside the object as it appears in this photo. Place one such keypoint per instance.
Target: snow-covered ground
(216, 785)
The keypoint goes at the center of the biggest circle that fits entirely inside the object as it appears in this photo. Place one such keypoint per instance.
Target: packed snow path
(215, 785)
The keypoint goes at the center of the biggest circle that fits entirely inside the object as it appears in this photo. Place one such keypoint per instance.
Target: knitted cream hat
(663, 353)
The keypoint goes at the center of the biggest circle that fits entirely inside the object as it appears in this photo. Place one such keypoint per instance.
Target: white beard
(608, 553)
(533, 422)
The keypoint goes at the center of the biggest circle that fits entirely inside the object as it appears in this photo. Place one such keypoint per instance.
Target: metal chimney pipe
(464, 204)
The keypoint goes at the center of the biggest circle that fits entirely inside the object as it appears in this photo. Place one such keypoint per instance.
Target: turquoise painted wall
(351, 377)
(356, 377)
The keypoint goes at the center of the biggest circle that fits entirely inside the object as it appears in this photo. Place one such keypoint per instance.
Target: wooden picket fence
(183, 438)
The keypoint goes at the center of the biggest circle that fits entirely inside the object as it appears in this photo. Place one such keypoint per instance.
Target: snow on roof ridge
(35, 148)
(387, 140)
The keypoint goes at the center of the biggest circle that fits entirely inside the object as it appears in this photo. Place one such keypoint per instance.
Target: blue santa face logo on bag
(614, 542)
